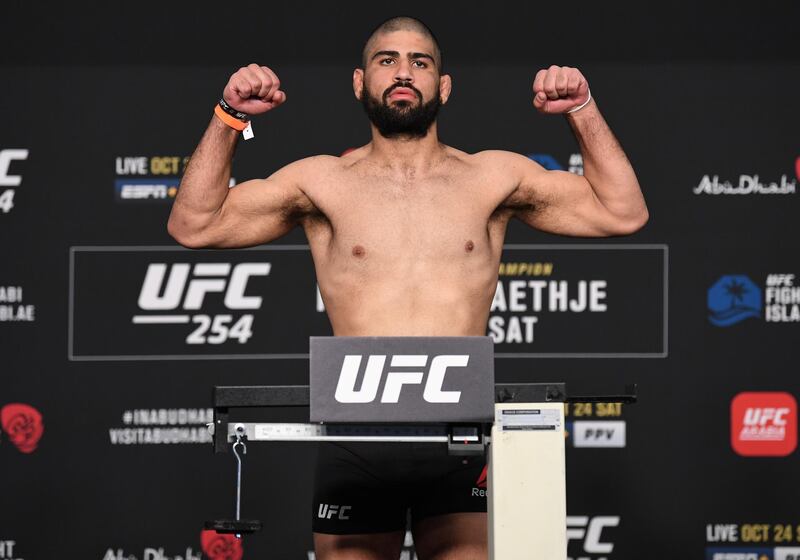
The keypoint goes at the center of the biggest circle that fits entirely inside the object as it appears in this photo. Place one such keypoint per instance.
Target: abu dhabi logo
(733, 298)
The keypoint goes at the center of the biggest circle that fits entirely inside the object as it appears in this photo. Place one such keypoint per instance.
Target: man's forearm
(605, 165)
(205, 182)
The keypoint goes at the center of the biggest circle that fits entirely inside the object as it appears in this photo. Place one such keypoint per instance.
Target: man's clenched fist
(254, 89)
(559, 89)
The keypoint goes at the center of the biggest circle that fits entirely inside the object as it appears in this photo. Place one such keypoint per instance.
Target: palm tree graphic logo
(732, 299)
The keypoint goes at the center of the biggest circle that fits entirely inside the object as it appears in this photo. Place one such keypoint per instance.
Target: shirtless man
(380, 222)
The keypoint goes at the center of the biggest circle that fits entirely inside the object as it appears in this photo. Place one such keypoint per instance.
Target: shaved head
(403, 23)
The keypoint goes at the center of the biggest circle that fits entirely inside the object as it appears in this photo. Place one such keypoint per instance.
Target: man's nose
(403, 73)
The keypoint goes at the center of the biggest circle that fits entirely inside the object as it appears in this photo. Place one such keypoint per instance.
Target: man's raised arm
(607, 199)
(207, 213)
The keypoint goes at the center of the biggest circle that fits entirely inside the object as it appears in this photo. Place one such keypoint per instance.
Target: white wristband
(584, 104)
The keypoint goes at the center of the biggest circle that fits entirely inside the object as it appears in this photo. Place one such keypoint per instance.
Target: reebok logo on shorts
(479, 490)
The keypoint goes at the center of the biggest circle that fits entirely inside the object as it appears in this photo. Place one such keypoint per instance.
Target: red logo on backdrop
(221, 546)
(764, 424)
(481, 482)
(23, 424)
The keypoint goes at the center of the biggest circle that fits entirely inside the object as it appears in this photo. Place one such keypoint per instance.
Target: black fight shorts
(371, 487)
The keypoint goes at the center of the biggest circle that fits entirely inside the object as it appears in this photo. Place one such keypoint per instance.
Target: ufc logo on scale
(401, 379)
(169, 292)
(433, 393)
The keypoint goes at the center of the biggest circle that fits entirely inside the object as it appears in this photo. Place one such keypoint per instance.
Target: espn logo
(764, 424)
(433, 393)
(329, 511)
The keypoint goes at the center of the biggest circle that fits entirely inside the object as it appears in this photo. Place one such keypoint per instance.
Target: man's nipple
(469, 246)
(358, 251)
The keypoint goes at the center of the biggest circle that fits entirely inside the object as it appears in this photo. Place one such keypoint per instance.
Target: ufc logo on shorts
(590, 531)
(206, 278)
(347, 393)
(327, 511)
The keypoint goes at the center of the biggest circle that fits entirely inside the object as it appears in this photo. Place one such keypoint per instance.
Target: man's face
(400, 87)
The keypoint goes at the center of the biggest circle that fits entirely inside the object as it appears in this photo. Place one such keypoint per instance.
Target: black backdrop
(102, 105)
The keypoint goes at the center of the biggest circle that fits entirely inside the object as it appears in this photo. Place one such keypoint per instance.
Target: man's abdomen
(391, 306)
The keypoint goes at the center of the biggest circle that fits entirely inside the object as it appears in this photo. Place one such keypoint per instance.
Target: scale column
(526, 483)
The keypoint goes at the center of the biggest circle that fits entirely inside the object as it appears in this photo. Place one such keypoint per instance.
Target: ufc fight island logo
(395, 379)
(177, 291)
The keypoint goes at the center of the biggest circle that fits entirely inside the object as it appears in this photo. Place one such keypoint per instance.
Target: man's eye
(386, 60)
(420, 64)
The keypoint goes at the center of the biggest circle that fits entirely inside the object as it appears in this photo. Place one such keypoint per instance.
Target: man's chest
(410, 209)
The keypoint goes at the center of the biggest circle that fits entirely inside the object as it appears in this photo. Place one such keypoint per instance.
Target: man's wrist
(230, 121)
(244, 117)
(582, 105)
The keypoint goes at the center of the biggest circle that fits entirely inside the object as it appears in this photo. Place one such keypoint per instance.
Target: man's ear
(358, 82)
(445, 87)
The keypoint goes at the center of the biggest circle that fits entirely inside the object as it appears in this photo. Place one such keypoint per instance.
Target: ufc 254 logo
(7, 179)
(184, 287)
(589, 531)
(329, 511)
(395, 379)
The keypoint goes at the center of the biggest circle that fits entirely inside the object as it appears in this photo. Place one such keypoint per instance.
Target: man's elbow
(184, 236)
(631, 224)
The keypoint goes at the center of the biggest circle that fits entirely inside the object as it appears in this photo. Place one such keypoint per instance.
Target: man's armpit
(525, 199)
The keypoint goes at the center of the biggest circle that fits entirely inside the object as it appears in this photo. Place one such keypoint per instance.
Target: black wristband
(233, 112)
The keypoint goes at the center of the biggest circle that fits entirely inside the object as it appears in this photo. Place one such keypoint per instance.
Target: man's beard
(400, 119)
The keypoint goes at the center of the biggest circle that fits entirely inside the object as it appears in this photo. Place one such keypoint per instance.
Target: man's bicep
(261, 210)
(560, 202)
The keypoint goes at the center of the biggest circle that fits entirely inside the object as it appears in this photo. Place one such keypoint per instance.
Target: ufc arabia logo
(329, 511)
(7, 179)
(184, 287)
(433, 393)
(764, 424)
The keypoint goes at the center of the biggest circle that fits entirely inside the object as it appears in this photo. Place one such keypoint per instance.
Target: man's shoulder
(499, 157)
(303, 169)
(499, 163)
(317, 162)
